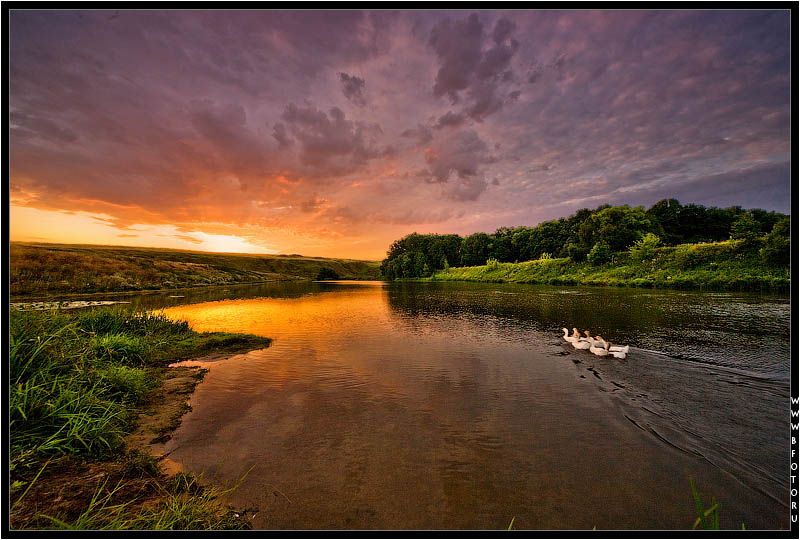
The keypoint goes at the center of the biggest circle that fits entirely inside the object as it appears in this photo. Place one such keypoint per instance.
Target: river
(459, 406)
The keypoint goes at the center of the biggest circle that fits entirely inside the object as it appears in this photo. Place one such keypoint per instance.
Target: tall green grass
(74, 377)
(75, 381)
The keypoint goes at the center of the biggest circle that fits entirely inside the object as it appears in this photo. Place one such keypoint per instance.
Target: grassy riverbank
(78, 385)
(731, 265)
(48, 269)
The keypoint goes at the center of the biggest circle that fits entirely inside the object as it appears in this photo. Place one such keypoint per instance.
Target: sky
(335, 133)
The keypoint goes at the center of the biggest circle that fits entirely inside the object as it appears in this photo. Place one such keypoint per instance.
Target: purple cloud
(256, 119)
(353, 89)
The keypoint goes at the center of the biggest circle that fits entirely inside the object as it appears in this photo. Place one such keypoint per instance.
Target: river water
(459, 406)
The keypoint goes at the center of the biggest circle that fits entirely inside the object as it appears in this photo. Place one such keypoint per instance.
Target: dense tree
(593, 235)
(667, 213)
(501, 247)
(616, 226)
(475, 249)
(419, 255)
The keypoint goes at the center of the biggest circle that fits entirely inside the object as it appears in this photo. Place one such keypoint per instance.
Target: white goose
(615, 348)
(582, 344)
(619, 354)
(567, 337)
(599, 351)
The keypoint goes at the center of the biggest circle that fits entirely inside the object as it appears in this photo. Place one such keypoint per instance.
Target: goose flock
(596, 345)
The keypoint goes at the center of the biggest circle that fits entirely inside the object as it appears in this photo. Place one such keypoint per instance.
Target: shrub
(599, 254)
(492, 263)
(576, 252)
(776, 250)
(645, 247)
(745, 228)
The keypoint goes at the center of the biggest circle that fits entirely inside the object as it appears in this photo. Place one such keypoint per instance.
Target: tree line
(594, 236)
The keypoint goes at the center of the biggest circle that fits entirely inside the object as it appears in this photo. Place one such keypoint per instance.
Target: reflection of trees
(604, 311)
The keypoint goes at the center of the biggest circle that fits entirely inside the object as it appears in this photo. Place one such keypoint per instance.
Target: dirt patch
(164, 409)
(71, 482)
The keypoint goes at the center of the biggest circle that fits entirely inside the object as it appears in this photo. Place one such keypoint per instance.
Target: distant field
(46, 269)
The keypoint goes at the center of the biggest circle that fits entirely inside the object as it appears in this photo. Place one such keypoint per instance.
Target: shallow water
(453, 405)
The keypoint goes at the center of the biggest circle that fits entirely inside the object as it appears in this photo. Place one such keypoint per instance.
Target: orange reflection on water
(305, 330)
(278, 317)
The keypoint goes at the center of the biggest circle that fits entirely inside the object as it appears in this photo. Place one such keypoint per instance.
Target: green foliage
(777, 244)
(73, 376)
(616, 226)
(745, 228)
(729, 265)
(56, 404)
(619, 227)
(326, 273)
(475, 249)
(419, 255)
(645, 247)
(599, 254)
(576, 252)
(545, 257)
(492, 264)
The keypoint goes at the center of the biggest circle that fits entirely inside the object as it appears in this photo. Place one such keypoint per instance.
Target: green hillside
(729, 265)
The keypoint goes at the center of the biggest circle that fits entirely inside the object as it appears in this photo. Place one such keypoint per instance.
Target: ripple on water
(469, 395)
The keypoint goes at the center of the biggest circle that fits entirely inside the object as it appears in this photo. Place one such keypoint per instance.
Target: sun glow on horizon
(37, 225)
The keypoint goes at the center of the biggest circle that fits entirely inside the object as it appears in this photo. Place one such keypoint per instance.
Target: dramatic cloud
(336, 132)
(467, 68)
(330, 142)
(459, 157)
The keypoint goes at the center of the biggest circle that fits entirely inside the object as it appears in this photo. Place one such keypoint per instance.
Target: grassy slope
(714, 266)
(41, 269)
(76, 382)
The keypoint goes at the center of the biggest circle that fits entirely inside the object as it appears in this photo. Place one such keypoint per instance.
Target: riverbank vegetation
(77, 382)
(48, 269)
(723, 266)
(669, 245)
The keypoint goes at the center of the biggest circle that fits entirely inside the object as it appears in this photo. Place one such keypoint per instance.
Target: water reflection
(457, 406)
(691, 325)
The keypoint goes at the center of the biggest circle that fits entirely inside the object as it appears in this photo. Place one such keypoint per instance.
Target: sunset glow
(335, 133)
